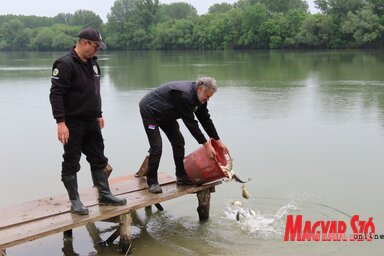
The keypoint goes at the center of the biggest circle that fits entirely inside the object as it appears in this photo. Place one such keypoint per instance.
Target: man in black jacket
(161, 108)
(76, 106)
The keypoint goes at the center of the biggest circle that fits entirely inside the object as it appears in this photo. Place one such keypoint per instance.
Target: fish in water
(237, 203)
(245, 192)
(238, 216)
(241, 214)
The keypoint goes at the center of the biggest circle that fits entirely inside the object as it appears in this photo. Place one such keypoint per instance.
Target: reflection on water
(306, 126)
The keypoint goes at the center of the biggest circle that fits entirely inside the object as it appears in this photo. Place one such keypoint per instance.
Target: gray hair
(207, 83)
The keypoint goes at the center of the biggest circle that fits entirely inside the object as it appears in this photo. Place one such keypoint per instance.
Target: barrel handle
(225, 154)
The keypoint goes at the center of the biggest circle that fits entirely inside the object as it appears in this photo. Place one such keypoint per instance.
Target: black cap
(93, 35)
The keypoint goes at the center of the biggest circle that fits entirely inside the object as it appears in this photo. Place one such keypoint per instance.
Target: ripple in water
(256, 227)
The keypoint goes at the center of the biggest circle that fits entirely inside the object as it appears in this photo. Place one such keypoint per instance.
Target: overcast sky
(100, 7)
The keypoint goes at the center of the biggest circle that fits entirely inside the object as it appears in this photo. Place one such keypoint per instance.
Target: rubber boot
(70, 183)
(105, 196)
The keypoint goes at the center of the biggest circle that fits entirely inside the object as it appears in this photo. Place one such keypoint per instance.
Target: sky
(101, 7)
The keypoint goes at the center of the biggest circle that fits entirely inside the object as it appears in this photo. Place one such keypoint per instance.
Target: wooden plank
(59, 204)
(17, 234)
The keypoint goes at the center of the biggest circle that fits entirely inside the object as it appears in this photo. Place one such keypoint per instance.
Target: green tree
(146, 13)
(275, 5)
(220, 8)
(233, 26)
(179, 10)
(378, 7)
(365, 27)
(22, 39)
(32, 21)
(270, 34)
(290, 24)
(317, 31)
(120, 24)
(174, 35)
(253, 18)
(64, 36)
(85, 18)
(215, 31)
(339, 8)
(43, 39)
(285, 5)
(162, 38)
(9, 35)
(64, 18)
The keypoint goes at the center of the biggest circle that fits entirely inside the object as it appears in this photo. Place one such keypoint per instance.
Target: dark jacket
(75, 90)
(178, 99)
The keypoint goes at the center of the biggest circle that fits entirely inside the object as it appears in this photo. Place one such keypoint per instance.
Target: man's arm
(204, 118)
(59, 87)
(188, 117)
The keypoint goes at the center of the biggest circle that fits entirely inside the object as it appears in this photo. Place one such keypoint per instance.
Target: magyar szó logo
(331, 230)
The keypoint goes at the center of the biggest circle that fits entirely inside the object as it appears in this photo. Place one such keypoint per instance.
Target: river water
(306, 126)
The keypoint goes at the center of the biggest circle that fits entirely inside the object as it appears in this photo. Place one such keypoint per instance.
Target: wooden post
(204, 197)
(3, 252)
(125, 232)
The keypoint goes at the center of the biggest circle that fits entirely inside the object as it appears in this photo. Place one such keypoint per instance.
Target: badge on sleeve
(95, 69)
(152, 126)
(55, 72)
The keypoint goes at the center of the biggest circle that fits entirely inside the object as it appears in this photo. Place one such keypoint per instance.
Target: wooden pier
(37, 219)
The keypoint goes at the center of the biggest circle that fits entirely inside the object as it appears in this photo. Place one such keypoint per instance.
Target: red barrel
(202, 169)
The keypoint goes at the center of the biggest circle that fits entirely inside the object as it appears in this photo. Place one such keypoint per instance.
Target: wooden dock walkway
(37, 219)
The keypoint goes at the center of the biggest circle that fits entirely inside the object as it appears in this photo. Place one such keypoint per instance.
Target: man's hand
(101, 122)
(222, 146)
(209, 149)
(62, 133)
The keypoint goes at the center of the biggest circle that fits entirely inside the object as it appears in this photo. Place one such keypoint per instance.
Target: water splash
(261, 225)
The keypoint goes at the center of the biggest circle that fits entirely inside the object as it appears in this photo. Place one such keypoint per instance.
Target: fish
(238, 216)
(237, 203)
(236, 178)
(228, 174)
(229, 165)
(245, 192)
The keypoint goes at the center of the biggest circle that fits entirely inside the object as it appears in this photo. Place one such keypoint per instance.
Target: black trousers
(84, 137)
(172, 131)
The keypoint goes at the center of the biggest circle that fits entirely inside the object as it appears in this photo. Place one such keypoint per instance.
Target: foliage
(246, 24)
(84, 18)
(365, 27)
(220, 8)
(177, 11)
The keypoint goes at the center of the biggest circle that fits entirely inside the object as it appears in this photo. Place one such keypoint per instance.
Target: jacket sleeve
(60, 80)
(204, 117)
(188, 117)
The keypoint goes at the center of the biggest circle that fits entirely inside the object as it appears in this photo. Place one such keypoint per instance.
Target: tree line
(246, 24)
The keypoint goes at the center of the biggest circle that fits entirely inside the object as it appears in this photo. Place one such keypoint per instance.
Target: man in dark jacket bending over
(161, 108)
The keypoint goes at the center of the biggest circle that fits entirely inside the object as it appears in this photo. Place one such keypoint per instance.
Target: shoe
(184, 181)
(155, 189)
